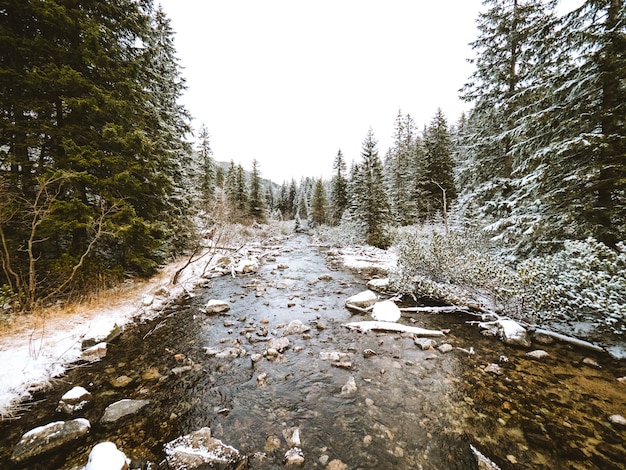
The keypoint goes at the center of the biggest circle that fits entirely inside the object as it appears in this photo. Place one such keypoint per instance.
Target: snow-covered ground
(39, 349)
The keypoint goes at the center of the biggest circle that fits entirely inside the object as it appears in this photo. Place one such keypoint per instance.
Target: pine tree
(370, 206)
(256, 205)
(318, 203)
(339, 190)
(438, 175)
(206, 172)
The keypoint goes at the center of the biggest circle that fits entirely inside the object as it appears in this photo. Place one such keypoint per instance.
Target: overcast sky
(290, 82)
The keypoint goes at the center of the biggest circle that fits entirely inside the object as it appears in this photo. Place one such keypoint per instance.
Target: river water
(412, 409)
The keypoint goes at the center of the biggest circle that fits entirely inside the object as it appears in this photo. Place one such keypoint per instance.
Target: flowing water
(412, 409)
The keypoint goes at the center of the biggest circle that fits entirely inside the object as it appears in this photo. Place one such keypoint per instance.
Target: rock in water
(296, 327)
(363, 299)
(43, 439)
(386, 311)
(511, 332)
(294, 457)
(247, 266)
(350, 387)
(122, 409)
(538, 355)
(106, 456)
(74, 400)
(200, 450)
(216, 306)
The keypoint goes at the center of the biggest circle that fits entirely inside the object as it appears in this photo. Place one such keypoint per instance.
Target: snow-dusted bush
(586, 281)
(347, 233)
(453, 267)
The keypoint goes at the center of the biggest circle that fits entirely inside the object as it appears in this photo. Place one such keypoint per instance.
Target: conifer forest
(522, 200)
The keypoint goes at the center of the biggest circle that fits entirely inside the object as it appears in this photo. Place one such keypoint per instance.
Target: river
(412, 408)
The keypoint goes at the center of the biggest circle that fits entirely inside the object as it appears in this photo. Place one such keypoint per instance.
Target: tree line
(99, 182)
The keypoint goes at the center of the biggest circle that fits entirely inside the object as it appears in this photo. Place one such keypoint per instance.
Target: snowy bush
(586, 281)
(453, 267)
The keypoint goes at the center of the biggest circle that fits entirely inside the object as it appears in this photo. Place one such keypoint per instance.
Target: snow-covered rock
(386, 310)
(200, 450)
(511, 332)
(296, 327)
(74, 400)
(147, 300)
(106, 456)
(294, 457)
(216, 306)
(278, 344)
(378, 285)
(618, 420)
(363, 299)
(245, 266)
(45, 438)
(94, 353)
(122, 409)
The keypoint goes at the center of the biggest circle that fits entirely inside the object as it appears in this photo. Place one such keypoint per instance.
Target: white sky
(289, 82)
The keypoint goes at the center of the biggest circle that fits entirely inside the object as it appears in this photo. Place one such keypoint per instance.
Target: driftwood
(571, 340)
(359, 309)
(365, 326)
(435, 310)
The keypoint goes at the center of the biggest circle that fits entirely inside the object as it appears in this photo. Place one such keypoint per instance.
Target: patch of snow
(386, 310)
(364, 257)
(39, 349)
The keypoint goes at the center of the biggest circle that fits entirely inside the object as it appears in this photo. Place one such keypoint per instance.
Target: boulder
(106, 456)
(511, 332)
(278, 344)
(538, 355)
(200, 450)
(362, 299)
(74, 400)
(216, 306)
(247, 266)
(94, 353)
(46, 438)
(122, 409)
(296, 327)
(386, 311)
(378, 285)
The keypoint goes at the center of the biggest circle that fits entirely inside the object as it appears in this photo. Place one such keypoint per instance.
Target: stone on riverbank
(200, 450)
(296, 327)
(378, 285)
(52, 436)
(94, 353)
(362, 300)
(511, 332)
(216, 306)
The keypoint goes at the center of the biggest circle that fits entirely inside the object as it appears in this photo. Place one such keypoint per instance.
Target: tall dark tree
(206, 172)
(318, 203)
(338, 190)
(438, 174)
(256, 204)
(370, 206)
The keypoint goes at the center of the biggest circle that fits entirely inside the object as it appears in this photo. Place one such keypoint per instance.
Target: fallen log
(436, 310)
(570, 340)
(365, 326)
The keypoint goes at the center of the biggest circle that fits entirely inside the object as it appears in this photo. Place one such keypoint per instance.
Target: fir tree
(256, 205)
(318, 203)
(339, 189)
(207, 169)
(370, 206)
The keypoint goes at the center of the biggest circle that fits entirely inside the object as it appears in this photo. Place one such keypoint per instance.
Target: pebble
(445, 348)
(618, 420)
(538, 355)
(494, 369)
(336, 465)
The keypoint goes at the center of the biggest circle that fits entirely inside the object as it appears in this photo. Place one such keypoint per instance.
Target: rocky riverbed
(268, 376)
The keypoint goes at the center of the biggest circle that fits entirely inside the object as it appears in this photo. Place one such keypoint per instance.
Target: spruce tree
(339, 190)
(206, 173)
(256, 205)
(318, 203)
(370, 206)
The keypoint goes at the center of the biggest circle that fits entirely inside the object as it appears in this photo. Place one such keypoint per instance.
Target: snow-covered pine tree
(369, 197)
(256, 205)
(338, 190)
(514, 39)
(206, 173)
(439, 171)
